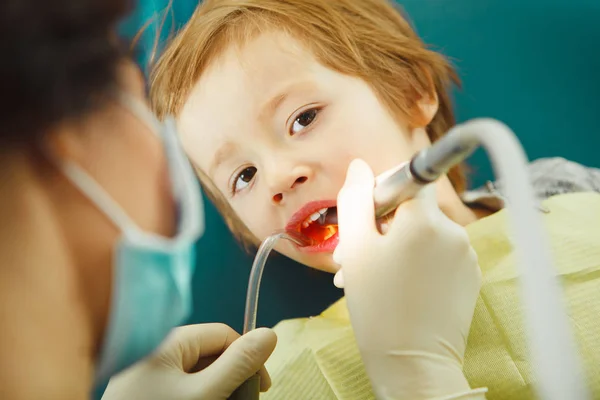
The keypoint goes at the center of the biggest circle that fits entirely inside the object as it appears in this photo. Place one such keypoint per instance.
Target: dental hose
(554, 356)
(555, 361)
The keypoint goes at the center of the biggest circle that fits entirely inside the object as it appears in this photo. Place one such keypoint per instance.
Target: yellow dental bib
(317, 358)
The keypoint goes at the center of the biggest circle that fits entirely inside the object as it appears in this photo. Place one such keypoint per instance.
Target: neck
(44, 328)
(452, 205)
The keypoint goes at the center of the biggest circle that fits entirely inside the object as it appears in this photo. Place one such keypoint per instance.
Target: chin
(320, 261)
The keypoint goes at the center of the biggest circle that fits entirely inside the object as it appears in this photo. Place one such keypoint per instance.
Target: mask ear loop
(139, 110)
(95, 193)
(188, 195)
(88, 185)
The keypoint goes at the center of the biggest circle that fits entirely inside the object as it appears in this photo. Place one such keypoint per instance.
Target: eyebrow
(271, 105)
(267, 108)
(221, 155)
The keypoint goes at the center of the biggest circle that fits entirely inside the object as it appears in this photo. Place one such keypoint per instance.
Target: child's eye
(243, 179)
(303, 120)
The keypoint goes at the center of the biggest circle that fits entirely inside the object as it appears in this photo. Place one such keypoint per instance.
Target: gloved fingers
(355, 207)
(197, 342)
(203, 363)
(425, 201)
(338, 279)
(418, 216)
(265, 379)
(428, 196)
(383, 224)
(242, 359)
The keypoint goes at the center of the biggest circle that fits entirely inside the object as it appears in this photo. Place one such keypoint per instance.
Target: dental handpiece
(403, 182)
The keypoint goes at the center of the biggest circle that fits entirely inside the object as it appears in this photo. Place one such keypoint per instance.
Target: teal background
(533, 64)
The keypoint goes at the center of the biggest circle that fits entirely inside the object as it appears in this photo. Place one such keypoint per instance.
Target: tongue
(321, 232)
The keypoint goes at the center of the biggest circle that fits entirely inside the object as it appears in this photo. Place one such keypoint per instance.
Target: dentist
(100, 212)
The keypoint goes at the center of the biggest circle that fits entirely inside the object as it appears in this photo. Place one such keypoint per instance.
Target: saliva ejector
(555, 361)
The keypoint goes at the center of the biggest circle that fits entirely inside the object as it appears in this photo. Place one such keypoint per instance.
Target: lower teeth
(331, 230)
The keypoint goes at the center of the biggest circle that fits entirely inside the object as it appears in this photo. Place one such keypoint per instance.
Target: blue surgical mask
(152, 274)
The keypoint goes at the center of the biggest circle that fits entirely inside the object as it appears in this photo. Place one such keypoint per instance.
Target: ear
(426, 108)
(427, 102)
(64, 143)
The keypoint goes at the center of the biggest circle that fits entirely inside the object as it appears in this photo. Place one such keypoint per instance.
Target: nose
(284, 183)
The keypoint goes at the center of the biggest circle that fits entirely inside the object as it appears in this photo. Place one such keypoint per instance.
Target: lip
(299, 216)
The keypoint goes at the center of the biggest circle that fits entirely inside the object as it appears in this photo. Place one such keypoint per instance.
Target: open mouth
(312, 220)
(317, 228)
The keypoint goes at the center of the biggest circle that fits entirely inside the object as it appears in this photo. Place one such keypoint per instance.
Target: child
(274, 98)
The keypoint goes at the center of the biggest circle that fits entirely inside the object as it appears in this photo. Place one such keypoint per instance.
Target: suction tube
(258, 267)
(250, 390)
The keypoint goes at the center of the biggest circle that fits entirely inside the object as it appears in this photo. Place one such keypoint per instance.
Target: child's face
(275, 131)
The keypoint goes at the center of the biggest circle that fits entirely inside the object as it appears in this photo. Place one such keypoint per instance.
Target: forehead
(227, 98)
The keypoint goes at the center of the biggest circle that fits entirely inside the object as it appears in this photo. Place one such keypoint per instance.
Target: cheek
(380, 156)
(256, 217)
(381, 145)
(336, 167)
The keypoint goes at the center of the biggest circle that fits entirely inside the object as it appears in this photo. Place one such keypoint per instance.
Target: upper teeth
(313, 217)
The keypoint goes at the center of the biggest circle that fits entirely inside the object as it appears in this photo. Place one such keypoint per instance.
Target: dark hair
(58, 61)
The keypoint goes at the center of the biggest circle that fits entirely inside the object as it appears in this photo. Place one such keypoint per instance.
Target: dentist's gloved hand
(411, 292)
(205, 361)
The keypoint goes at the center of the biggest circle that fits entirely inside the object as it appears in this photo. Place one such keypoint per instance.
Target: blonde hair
(368, 39)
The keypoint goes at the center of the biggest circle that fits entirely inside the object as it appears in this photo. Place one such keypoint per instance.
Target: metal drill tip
(329, 217)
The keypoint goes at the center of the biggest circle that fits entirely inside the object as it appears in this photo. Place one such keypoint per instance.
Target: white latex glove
(411, 292)
(205, 361)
